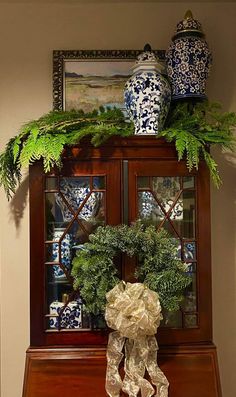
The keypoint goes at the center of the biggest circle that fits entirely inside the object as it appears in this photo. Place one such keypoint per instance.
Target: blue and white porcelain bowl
(75, 193)
(147, 95)
(188, 60)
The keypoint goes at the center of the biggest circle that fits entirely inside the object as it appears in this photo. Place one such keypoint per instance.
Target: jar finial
(188, 15)
(147, 47)
(65, 298)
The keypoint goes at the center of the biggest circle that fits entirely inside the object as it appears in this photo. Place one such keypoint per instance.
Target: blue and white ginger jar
(66, 254)
(147, 94)
(188, 60)
(73, 191)
(65, 316)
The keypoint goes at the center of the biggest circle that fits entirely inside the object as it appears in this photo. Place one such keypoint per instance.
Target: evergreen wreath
(158, 266)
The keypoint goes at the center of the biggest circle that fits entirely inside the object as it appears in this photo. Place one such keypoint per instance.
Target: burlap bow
(134, 312)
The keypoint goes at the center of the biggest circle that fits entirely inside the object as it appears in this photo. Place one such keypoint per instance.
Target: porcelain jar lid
(188, 25)
(147, 61)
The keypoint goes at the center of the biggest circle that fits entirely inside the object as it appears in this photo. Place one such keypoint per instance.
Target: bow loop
(134, 312)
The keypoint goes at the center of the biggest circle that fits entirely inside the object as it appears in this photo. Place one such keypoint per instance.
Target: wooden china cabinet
(125, 179)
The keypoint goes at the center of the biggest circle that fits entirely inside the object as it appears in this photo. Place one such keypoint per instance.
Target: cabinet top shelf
(123, 147)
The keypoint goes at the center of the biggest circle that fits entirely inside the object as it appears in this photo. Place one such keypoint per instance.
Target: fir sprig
(46, 138)
(10, 169)
(194, 128)
(158, 265)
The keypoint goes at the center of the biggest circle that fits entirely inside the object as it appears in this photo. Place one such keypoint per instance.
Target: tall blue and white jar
(147, 94)
(188, 60)
(65, 250)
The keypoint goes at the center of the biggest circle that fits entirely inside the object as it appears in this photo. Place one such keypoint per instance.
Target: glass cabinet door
(169, 202)
(165, 195)
(66, 207)
(74, 208)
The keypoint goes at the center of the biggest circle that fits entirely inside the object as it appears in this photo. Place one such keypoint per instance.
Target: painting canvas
(89, 85)
(89, 79)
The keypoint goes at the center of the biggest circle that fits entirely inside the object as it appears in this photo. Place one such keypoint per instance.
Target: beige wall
(28, 34)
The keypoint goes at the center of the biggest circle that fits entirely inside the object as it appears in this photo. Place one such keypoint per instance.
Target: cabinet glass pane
(172, 319)
(143, 182)
(149, 210)
(190, 320)
(188, 225)
(166, 189)
(190, 301)
(188, 182)
(72, 214)
(190, 251)
(99, 182)
(169, 202)
(52, 183)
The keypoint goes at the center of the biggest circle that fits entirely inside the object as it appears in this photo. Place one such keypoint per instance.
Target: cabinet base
(192, 371)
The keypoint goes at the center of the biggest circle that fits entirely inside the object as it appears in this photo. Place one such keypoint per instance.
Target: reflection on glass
(149, 210)
(51, 213)
(164, 193)
(177, 210)
(184, 224)
(166, 188)
(192, 267)
(143, 182)
(51, 183)
(190, 304)
(190, 296)
(188, 182)
(190, 320)
(169, 228)
(190, 251)
(188, 230)
(99, 182)
(172, 319)
(177, 242)
(94, 210)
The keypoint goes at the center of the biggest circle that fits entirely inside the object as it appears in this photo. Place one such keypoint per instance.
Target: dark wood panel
(135, 147)
(53, 370)
(192, 372)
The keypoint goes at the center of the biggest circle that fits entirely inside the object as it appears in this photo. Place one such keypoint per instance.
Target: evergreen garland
(158, 267)
(46, 138)
(193, 128)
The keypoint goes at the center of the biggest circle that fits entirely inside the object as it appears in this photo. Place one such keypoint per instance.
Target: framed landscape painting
(89, 79)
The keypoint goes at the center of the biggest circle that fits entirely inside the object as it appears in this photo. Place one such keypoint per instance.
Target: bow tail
(114, 357)
(157, 377)
(135, 353)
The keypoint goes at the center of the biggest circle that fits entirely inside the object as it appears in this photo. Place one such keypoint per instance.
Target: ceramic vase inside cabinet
(66, 314)
(61, 252)
(147, 94)
(188, 60)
